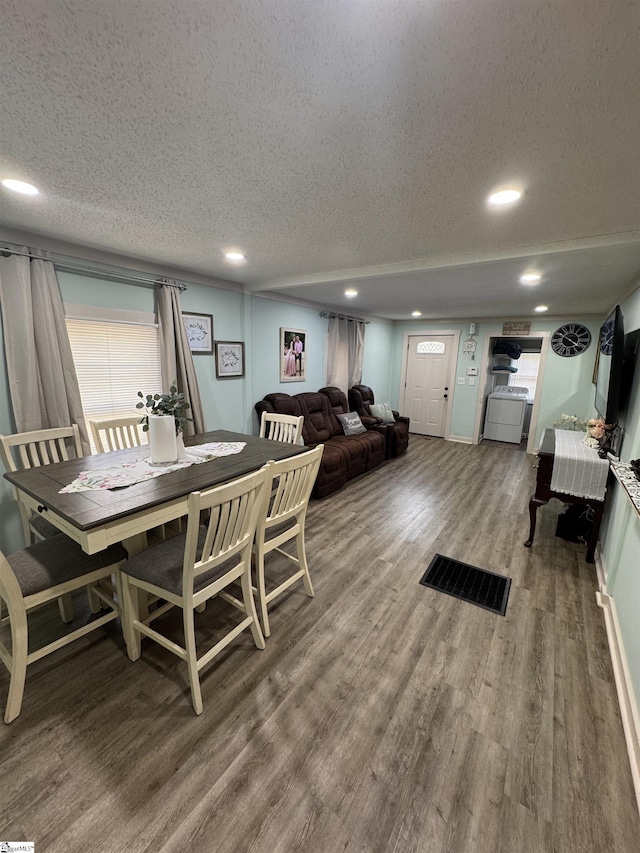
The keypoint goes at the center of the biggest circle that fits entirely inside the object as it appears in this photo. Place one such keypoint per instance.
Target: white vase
(162, 439)
(182, 453)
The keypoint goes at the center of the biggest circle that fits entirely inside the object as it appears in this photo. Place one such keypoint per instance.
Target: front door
(427, 393)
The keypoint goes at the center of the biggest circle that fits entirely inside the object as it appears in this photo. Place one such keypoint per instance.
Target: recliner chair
(360, 398)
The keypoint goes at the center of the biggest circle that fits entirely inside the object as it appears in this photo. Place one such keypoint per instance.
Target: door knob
(446, 396)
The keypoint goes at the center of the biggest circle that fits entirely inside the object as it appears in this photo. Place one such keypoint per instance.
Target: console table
(543, 494)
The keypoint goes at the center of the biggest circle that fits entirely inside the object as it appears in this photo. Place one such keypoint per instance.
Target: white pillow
(382, 410)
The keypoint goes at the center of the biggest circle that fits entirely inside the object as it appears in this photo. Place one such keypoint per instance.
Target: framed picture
(199, 329)
(229, 359)
(293, 355)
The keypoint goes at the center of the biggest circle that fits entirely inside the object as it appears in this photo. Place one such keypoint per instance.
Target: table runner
(577, 469)
(129, 473)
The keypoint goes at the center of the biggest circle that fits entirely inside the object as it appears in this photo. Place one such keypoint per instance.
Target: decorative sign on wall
(199, 329)
(515, 329)
(229, 359)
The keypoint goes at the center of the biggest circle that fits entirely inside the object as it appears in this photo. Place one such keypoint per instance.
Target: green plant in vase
(173, 404)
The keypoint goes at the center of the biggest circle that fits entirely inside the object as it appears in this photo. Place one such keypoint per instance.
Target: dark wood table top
(91, 509)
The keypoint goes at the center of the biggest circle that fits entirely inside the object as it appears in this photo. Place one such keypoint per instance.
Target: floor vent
(468, 583)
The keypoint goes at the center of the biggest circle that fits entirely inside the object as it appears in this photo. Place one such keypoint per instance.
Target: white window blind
(113, 362)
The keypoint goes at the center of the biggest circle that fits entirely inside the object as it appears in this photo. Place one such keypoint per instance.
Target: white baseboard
(626, 697)
(463, 439)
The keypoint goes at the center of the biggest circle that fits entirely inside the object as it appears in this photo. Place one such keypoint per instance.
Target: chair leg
(129, 613)
(250, 607)
(262, 591)
(95, 604)
(19, 651)
(192, 659)
(65, 605)
(302, 561)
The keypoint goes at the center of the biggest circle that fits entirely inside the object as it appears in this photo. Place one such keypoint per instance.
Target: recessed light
(504, 197)
(351, 293)
(530, 278)
(541, 308)
(416, 313)
(235, 256)
(20, 187)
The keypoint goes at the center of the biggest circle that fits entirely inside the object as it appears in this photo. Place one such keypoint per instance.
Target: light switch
(472, 381)
(461, 380)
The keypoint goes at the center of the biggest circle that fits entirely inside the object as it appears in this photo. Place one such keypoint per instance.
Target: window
(528, 365)
(430, 347)
(114, 360)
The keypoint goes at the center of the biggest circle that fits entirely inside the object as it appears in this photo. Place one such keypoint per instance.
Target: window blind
(113, 362)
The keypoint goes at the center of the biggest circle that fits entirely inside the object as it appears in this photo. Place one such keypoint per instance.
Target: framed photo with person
(199, 329)
(293, 355)
(229, 359)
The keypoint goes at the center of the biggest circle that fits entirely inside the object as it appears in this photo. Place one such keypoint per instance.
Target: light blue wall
(566, 384)
(620, 533)
(376, 364)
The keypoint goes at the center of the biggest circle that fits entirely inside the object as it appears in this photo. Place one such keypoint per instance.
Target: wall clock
(570, 339)
(606, 336)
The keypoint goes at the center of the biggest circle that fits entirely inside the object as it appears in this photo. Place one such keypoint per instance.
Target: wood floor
(382, 716)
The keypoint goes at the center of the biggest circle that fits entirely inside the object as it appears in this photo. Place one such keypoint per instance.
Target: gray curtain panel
(175, 355)
(345, 349)
(42, 376)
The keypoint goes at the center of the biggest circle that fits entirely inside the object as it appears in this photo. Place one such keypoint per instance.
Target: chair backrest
(233, 516)
(287, 428)
(117, 433)
(361, 397)
(292, 481)
(40, 447)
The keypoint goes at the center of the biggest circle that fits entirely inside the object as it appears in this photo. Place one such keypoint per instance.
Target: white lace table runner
(129, 473)
(577, 469)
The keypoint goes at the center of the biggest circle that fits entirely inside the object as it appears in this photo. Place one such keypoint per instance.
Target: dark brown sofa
(344, 457)
(360, 398)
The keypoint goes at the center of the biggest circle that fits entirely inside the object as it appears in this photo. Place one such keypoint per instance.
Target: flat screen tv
(610, 360)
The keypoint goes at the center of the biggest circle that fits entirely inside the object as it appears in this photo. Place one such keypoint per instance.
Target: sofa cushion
(351, 423)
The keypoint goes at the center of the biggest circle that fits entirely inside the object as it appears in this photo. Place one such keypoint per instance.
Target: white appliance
(506, 408)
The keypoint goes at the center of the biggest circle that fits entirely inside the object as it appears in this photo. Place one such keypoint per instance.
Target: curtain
(42, 376)
(345, 348)
(176, 360)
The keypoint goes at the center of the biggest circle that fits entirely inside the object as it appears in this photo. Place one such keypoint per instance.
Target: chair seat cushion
(40, 524)
(161, 565)
(58, 560)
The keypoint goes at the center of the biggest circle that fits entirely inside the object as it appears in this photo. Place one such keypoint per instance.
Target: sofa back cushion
(320, 424)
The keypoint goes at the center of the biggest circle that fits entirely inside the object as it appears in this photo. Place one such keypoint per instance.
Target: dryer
(506, 409)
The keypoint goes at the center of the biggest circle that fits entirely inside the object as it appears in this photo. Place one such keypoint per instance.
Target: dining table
(98, 518)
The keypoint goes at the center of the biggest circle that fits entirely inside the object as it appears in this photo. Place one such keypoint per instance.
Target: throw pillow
(382, 410)
(351, 423)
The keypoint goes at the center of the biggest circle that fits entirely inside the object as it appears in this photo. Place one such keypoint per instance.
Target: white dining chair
(287, 428)
(39, 574)
(117, 433)
(283, 517)
(191, 568)
(30, 450)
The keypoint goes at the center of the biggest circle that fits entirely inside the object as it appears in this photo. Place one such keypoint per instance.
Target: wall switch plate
(472, 371)
(472, 381)
(461, 380)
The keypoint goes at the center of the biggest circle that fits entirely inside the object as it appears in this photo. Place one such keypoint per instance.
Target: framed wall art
(229, 359)
(293, 355)
(199, 329)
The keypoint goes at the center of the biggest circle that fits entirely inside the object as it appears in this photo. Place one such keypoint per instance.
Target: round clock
(606, 337)
(570, 339)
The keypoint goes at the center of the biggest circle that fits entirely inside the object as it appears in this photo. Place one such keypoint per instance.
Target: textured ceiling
(336, 141)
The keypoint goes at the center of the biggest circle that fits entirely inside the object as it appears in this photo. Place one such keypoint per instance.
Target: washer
(506, 408)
